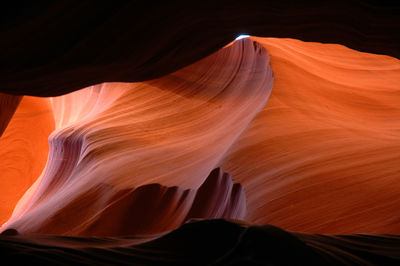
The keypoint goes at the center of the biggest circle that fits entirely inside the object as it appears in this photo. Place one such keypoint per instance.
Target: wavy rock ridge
(115, 137)
(328, 131)
(323, 156)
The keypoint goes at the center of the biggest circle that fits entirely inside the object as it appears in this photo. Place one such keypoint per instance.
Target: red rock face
(23, 151)
(131, 158)
(323, 156)
(154, 120)
(111, 140)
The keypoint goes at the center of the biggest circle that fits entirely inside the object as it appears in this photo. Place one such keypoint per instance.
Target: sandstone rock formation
(324, 153)
(173, 131)
(23, 151)
(154, 133)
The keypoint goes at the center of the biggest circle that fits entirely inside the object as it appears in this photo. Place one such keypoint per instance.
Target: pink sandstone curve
(173, 131)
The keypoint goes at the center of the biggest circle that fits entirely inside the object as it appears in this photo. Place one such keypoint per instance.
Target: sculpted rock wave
(171, 131)
(323, 155)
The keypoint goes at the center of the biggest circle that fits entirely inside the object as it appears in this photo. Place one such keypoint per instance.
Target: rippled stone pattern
(173, 131)
(324, 153)
(114, 172)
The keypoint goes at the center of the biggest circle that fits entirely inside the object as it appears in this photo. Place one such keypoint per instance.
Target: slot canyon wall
(126, 120)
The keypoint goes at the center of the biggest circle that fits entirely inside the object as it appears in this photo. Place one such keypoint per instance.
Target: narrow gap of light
(242, 36)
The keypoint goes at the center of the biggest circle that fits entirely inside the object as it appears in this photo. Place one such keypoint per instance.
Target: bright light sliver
(242, 36)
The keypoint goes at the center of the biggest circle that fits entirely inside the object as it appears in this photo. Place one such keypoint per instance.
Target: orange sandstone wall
(321, 155)
(324, 154)
(23, 151)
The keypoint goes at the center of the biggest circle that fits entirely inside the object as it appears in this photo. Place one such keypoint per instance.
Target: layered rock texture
(132, 134)
(113, 139)
(326, 147)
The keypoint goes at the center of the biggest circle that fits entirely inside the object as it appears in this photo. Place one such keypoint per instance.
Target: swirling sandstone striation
(324, 154)
(172, 131)
(321, 156)
(328, 132)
